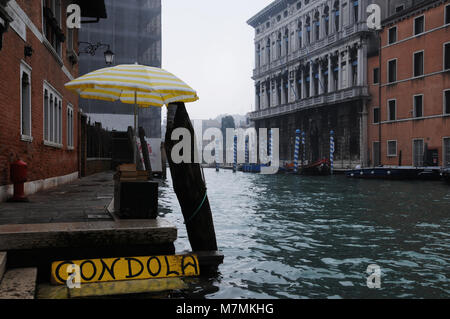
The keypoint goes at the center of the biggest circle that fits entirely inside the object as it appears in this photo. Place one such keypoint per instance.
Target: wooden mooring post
(190, 186)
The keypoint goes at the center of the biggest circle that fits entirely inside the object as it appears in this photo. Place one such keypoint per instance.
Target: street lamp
(109, 57)
(92, 49)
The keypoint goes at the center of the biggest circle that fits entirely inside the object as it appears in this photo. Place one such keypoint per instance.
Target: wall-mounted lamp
(92, 48)
(28, 51)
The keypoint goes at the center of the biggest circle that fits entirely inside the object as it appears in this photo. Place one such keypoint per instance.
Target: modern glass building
(133, 31)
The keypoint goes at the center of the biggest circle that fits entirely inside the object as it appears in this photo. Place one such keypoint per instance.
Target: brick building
(412, 122)
(39, 117)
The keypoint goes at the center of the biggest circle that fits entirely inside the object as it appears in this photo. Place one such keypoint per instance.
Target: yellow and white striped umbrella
(133, 84)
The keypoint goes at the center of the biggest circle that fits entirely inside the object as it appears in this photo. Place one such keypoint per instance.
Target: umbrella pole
(135, 129)
(135, 114)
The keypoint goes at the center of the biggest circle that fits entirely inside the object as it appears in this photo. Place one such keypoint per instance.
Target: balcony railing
(310, 49)
(317, 101)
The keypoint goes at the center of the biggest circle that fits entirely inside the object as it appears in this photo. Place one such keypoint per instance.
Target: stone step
(82, 234)
(19, 283)
(2, 264)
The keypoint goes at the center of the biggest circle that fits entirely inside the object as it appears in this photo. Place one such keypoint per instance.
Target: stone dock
(74, 222)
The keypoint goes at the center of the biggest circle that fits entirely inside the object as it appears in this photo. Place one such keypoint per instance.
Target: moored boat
(446, 174)
(398, 173)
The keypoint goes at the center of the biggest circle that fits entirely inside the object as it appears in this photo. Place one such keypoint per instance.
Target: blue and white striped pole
(303, 147)
(217, 155)
(297, 149)
(235, 155)
(270, 147)
(331, 151)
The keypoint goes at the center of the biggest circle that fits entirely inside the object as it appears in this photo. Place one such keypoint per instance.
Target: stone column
(273, 93)
(339, 86)
(303, 84)
(303, 31)
(262, 103)
(362, 64)
(322, 23)
(332, 20)
(330, 75)
(257, 92)
(311, 80)
(256, 56)
(363, 135)
(361, 9)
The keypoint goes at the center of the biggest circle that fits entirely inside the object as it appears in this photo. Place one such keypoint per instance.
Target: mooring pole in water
(303, 148)
(217, 154)
(331, 151)
(270, 147)
(297, 149)
(189, 185)
(247, 153)
(235, 154)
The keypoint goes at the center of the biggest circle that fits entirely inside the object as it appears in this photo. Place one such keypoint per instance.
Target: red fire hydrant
(19, 177)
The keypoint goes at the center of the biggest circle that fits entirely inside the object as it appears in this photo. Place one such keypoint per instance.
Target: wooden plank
(145, 154)
(19, 283)
(128, 287)
(86, 234)
(47, 291)
(123, 269)
(189, 185)
(2, 264)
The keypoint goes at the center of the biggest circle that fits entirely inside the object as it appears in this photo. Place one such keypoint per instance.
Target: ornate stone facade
(311, 74)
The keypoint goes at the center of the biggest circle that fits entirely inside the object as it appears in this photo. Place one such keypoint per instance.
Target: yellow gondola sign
(126, 268)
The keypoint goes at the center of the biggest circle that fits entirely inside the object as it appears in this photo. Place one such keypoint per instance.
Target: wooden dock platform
(75, 222)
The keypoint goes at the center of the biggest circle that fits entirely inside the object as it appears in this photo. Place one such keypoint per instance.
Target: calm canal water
(287, 236)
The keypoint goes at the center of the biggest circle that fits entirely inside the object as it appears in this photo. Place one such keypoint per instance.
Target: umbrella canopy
(133, 84)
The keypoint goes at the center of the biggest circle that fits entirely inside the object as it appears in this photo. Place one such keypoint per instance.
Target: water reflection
(286, 236)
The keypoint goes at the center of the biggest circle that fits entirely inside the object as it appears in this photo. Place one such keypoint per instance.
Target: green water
(287, 236)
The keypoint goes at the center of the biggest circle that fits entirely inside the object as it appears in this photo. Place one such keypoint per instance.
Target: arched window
(299, 84)
(307, 79)
(337, 15)
(279, 45)
(268, 51)
(356, 10)
(300, 35)
(25, 105)
(258, 55)
(286, 41)
(308, 30)
(317, 26)
(286, 87)
(316, 70)
(326, 14)
(278, 84)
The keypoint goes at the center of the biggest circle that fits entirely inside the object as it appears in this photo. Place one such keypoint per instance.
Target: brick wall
(43, 161)
(433, 126)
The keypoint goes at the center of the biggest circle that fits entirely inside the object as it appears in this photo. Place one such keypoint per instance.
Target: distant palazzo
(312, 55)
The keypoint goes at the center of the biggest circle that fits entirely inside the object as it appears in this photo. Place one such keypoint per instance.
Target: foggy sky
(208, 44)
